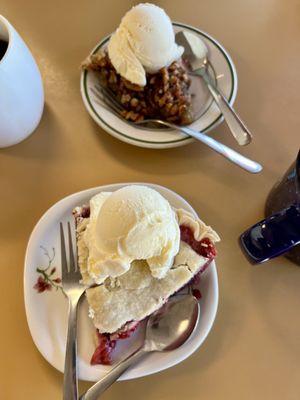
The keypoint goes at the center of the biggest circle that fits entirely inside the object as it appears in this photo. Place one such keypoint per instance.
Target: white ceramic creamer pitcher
(21, 89)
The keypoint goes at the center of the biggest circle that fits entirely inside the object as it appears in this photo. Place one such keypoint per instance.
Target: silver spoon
(195, 51)
(167, 329)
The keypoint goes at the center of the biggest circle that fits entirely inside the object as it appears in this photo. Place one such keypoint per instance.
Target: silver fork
(107, 100)
(70, 277)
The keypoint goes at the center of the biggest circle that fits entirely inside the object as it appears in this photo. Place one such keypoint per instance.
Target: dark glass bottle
(285, 193)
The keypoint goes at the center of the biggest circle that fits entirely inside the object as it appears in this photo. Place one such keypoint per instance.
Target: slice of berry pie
(134, 252)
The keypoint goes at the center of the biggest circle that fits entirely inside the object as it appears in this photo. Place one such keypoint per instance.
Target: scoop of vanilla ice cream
(133, 223)
(96, 268)
(144, 42)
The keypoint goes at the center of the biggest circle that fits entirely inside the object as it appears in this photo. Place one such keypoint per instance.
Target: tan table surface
(253, 350)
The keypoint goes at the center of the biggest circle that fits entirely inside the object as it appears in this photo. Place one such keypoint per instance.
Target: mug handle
(273, 236)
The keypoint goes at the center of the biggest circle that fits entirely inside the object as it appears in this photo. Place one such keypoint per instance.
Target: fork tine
(97, 90)
(109, 108)
(64, 265)
(99, 94)
(71, 250)
(109, 95)
(105, 97)
(112, 105)
(107, 103)
(111, 100)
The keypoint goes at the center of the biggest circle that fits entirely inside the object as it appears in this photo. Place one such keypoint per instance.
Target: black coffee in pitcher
(3, 48)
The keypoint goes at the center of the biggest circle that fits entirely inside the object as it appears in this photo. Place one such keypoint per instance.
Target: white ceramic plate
(47, 312)
(209, 116)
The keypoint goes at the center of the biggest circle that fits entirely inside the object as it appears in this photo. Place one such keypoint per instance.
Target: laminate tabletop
(252, 351)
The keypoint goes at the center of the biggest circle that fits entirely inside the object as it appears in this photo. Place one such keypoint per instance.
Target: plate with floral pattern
(47, 307)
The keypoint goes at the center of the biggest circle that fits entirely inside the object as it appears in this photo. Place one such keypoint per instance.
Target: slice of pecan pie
(119, 303)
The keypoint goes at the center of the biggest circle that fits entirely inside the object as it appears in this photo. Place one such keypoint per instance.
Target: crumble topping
(165, 95)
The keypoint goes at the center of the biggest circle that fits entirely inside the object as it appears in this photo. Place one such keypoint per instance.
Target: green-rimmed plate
(207, 112)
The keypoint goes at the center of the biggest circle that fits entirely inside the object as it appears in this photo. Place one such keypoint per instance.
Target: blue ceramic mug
(279, 233)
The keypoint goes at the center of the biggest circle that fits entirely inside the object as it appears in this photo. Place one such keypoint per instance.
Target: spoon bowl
(172, 325)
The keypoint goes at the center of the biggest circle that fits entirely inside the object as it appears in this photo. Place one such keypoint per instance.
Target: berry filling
(203, 247)
(107, 342)
(196, 293)
(102, 354)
